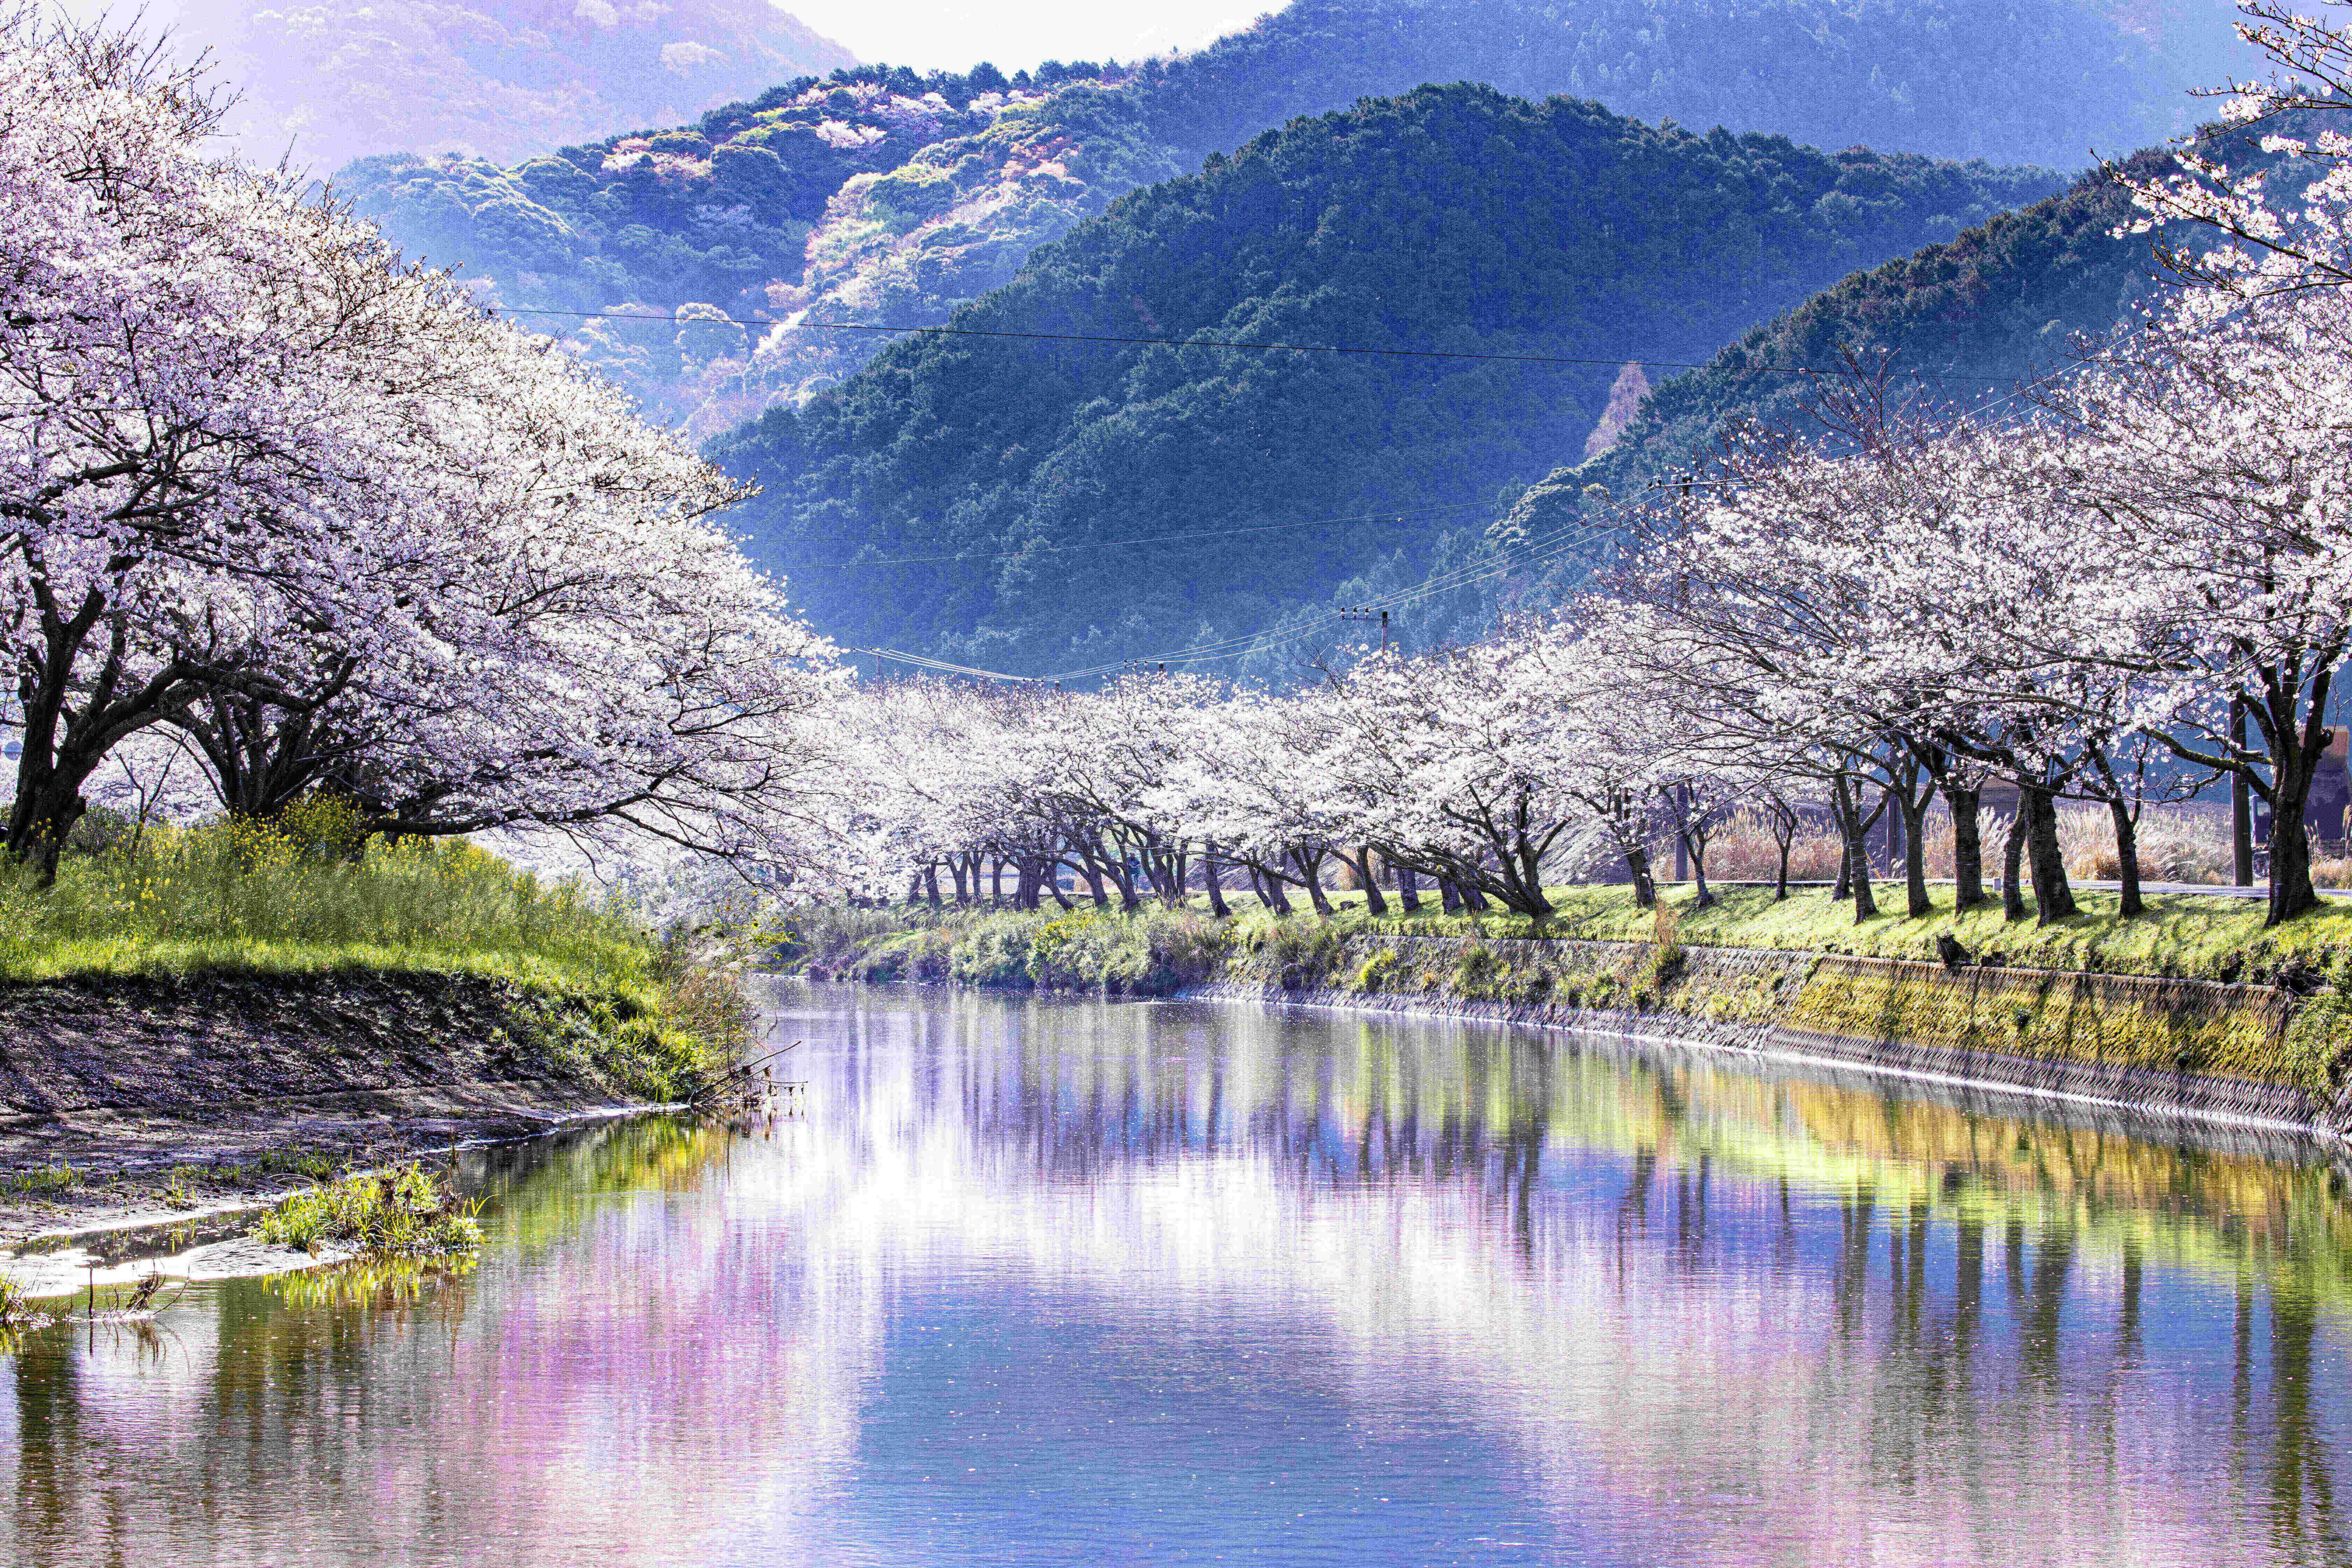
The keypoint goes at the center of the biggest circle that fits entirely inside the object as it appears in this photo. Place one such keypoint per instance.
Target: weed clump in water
(406, 1212)
(16, 1307)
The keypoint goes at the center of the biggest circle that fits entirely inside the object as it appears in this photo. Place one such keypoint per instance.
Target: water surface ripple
(1060, 1282)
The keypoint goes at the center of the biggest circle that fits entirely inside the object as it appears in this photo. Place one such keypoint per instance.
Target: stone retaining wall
(2179, 1047)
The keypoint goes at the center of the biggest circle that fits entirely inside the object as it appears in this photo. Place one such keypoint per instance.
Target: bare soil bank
(133, 1100)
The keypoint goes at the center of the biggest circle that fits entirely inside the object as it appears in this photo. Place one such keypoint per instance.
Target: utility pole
(1364, 614)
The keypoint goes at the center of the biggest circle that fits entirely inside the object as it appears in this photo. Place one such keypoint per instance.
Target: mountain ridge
(1452, 219)
(881, 193)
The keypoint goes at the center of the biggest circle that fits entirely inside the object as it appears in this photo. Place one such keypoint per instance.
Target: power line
(1413, 516)
(1542, 548)
(1219, 343)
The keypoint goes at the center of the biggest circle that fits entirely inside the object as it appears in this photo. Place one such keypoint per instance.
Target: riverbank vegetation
(406, 1212)
(1156, 950)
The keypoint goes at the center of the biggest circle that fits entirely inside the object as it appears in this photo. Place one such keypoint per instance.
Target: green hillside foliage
(879, 194)
(1453, 219)
(1961, 324)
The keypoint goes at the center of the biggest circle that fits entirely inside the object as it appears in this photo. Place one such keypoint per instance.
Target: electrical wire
(1219, 343)
(1413, 516)
(1535, 551)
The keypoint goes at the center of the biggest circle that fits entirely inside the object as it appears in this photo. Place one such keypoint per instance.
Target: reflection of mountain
(1185, 1260)
(504, 78)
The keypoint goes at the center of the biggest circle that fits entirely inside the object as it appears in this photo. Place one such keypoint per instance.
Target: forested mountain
(333, 80)
(880, 194)
(1455, 219)
(1958, 324)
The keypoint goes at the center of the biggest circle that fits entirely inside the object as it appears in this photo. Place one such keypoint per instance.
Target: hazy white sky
(925, 33)
(929, 32)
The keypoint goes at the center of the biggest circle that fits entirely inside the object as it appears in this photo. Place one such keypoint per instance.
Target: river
(1041, 1281)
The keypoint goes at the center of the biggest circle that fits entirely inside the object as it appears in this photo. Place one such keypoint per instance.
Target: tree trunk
(1213, 875)
(1894, 837)
(2012, 858)
(1857, 846)
(1844, 888)
(1448, 899)
(2126, 857)
(931, 883)
(1270, 891)
(2241, 804)
(2292, 893)
(1310, 873)
(1913, 816)
(1967, 849)
(1780, 887)
(1408, 887)
(2053, 900)
(1645, 890)
(1473, 899)
(1682, 839)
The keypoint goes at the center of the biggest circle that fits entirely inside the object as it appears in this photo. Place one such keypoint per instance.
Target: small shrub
(16, 1307)
(99, 830)
(178, 1192)
(1476, 971)
(1373, 973)
(406, 1212)
(322, 826)
(48, 1179)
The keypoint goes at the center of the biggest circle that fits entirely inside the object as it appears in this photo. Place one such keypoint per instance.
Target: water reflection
(1066, 1283)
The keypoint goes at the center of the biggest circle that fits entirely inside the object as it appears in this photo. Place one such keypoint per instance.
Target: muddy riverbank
(174, 1106)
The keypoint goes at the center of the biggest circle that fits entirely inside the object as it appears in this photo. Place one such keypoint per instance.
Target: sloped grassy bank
(2192, 1008)
(185, 1005)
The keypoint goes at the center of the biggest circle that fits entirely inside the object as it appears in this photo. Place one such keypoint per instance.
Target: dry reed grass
(2185, 843)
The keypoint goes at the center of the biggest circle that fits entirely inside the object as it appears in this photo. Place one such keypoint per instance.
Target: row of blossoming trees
(2132, 579)
(304, 510)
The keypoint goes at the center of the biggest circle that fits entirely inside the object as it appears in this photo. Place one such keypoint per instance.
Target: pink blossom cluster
(275, 492)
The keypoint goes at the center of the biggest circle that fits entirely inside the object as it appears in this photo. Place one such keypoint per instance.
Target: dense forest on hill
(1453, 219)
(1958, 324)
(877, 194)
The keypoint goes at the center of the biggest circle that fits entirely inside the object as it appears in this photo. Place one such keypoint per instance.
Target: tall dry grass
(227, 888)
(2185, 843)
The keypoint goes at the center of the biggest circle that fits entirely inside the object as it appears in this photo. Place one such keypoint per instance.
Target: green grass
(2184, 935)
(406, 1212)
(249, 898)
(244, 897)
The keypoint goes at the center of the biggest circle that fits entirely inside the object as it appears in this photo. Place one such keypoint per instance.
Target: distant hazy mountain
(336, 79)
(882, 195)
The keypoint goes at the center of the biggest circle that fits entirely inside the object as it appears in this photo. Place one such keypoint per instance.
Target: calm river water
(1040, 1282)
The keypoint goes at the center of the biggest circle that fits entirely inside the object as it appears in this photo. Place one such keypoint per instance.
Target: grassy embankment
(1476, 959)
(251, 900)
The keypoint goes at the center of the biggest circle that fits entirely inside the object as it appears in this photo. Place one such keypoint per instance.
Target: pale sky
(925, 33)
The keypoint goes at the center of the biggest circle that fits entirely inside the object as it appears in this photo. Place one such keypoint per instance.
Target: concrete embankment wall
(2179, 1047)
(195, 1047)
